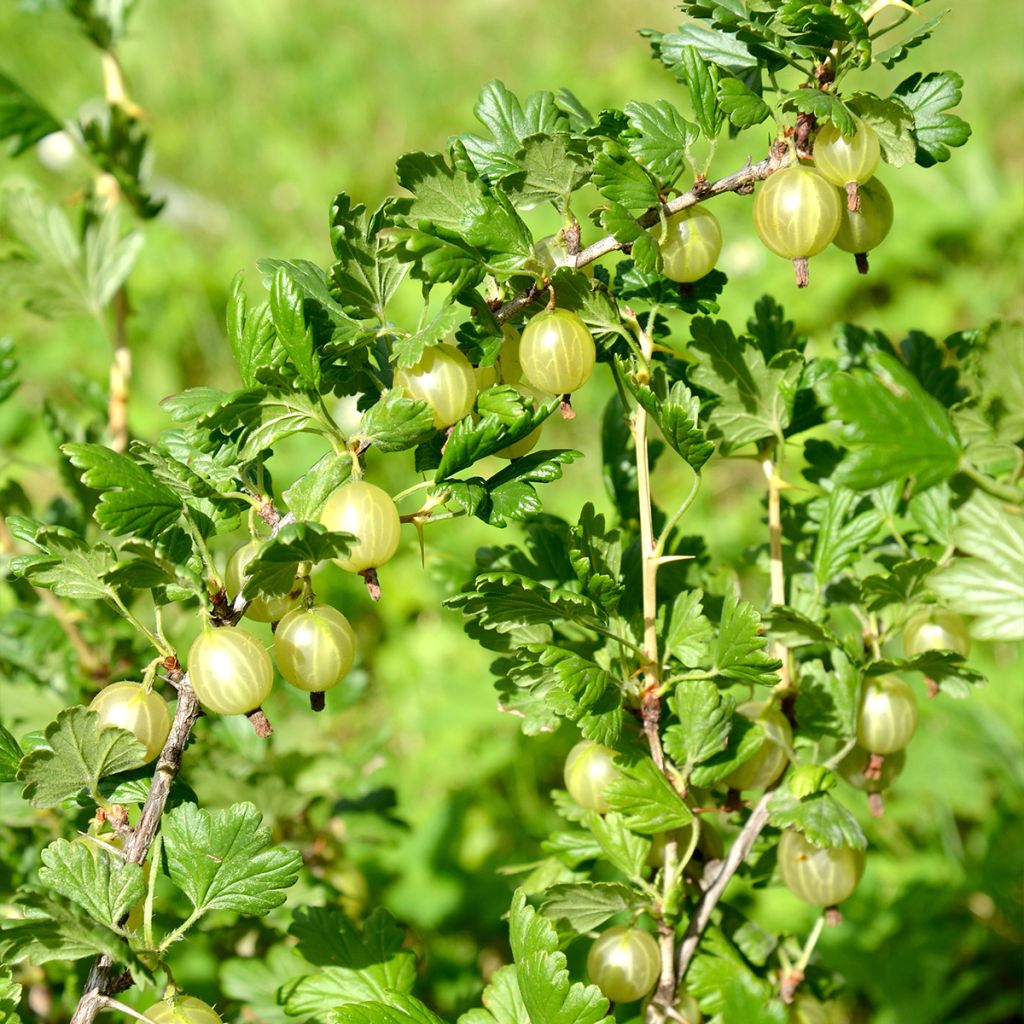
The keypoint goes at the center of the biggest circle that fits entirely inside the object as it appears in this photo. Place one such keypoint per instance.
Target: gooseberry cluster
(623, 961)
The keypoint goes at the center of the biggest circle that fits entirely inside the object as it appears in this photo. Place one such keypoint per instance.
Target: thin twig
(102, 982)
(741, 181)
(120, 374)
(738, 853)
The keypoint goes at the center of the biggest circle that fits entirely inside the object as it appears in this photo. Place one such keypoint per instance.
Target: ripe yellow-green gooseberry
(687, 1007)
(506, 369)
(690, 242)
(589, 769)
(550, 253)
(862, 230)
(772, 756)
(140, 710)
(368, 513)
(847, 160)
(851, 768)
(888, 715)
(183, 1010)
(314, 648)
(624, 963)
(230, 671)
(797, 214)
(557, 352)
(259, 609)
(444, 379)
(822, 877)
(935, 629)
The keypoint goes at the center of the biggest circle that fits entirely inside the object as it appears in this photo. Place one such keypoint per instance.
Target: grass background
(260, 113)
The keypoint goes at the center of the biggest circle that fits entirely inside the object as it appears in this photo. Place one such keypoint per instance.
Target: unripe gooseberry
(862, 230)
(444, 379)
(259, 609)
(624, 963)
(888, 715)
(589, 769)
(847, 158)
(797, 214)
(183, 1010)
(557, 352)
(771, 758)
(523, 446)
(140, 710)
(851, 768)
(822, 877)
(687, 1007)
(366, 511)
(230, 671)
(935, 629)
(690, 242)
(314, 647)
(509, 369)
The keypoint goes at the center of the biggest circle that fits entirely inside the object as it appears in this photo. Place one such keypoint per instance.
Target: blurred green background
(259, 114)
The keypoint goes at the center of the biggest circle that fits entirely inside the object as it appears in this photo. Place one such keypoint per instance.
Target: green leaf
(739, 649)
(223, 860)
(808, 779)
(273, 570)
(922, 30)
(293, 329)
(364, 276)
(78, 753)
(825, 106)
(828, 700)
(944, 668)
(55, 272)
(753, 400)
(251, 335)
(586, 906)
(677, 413)
(704, 719)
(306, 497)
(689, 631)
(596, 556)
(552, 168)
(744, 1001)
(10, 997)
(357, 964)
(662, 137)
(131, 501)
(843, 533)
(8, 372)
(623, 848)
(928, 97)
(646, 799)
(900, 585)
(104, 885)
(620, 177)
(893, 123)
(311, 281)
(723, 49)
(10, 755)
(582, 682)
(893, 427)
(745, 739)
(701, 78)
(502, 998)
(68, 565)
(988, 581)
(795, 629)
(743, 106)
(820, 817)
(397, 1009)
(255, 981)
(23, 118)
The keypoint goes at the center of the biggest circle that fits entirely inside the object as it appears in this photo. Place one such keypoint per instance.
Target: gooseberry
(771, 758)
(557, 352)
(589, 769)
(444, 379)
(259, 609)
(822, 877)
(888, 715)
(797, 214)
(846, 160)
(183, 1010)
(140, 710)
(935, 629)
(690, 242)
(852, 768)
(314, 647)
(865, 228)
(230, 671)
(624, 963)
(366, 511)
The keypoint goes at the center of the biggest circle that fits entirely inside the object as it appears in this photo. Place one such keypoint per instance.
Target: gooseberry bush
(711, 706)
